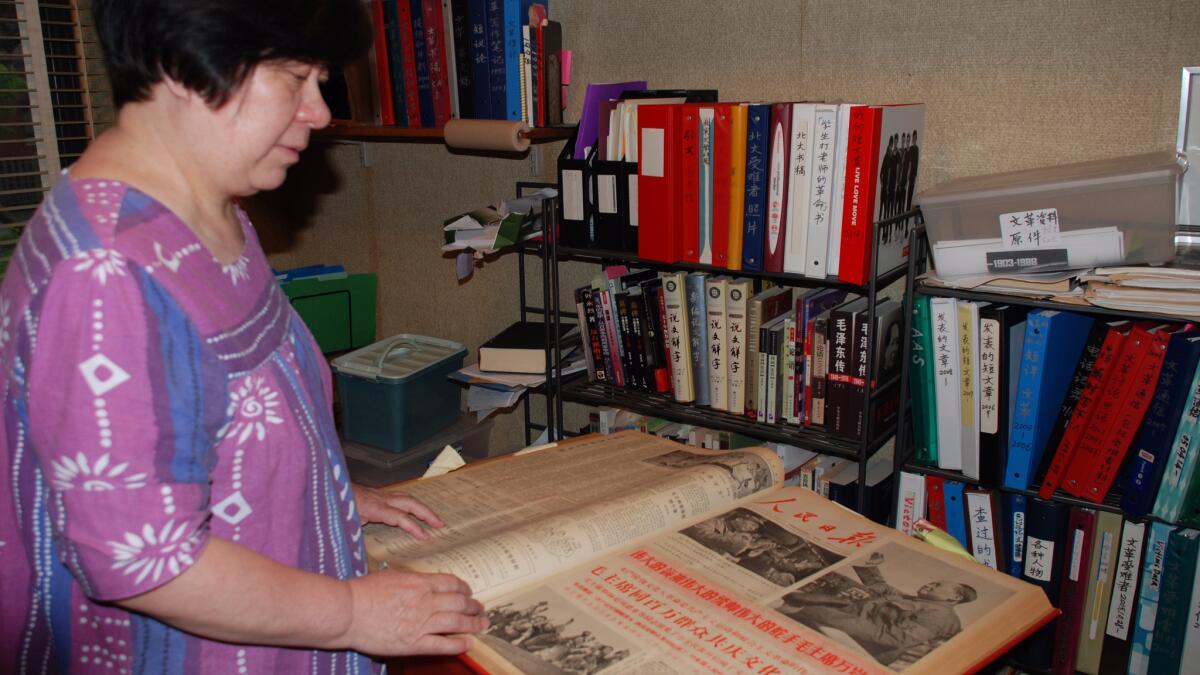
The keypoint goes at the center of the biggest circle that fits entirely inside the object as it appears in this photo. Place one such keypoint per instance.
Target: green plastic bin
(395, 394)
(340, 312)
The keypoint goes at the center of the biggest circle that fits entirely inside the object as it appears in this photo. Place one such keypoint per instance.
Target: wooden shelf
(346, 131)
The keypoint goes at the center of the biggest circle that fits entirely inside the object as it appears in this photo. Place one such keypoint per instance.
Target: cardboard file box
(1105, 212)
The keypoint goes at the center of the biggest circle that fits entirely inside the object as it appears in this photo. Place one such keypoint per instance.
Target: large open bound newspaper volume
(630, 553)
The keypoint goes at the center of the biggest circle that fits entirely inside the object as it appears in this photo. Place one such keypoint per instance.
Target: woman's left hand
(395, 509)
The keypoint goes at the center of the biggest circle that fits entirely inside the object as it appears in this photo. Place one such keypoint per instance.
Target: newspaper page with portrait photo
(721, 570)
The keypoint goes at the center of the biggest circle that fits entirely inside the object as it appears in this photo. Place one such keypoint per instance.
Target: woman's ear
(177, 89)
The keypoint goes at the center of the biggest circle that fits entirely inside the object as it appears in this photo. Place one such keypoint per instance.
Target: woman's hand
(395, 509)
(402, 613)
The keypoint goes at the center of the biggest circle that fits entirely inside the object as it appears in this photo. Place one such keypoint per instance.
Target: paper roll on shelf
(496, 135)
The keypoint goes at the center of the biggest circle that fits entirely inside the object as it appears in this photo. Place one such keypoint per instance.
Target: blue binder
(424, 87)
(512, 58)
(1053, 343)
(956, 516)
(1148, 454)
(758, 126)
(1174, 607)
(1148, 594)
(1014, 533)
(481, 58)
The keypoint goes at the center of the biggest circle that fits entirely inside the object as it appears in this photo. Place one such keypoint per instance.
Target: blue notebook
(1053, 344)
(481, 58)
(1014, 533)
(424, 87)
(956, 517)
(512, 58)
(1148, 594)
(758, 124)
(1148, 454)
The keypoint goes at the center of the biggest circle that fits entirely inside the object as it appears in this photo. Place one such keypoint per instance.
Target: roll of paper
(500, 135)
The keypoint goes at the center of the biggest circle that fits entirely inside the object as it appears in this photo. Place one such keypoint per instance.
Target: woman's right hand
(402, 613)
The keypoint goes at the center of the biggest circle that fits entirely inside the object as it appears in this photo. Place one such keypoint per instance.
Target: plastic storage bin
(395, 394)
(340, 312)
(374, 467)
(1111, 211)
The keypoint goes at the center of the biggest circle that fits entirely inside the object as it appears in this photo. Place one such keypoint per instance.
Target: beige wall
(1008, 84)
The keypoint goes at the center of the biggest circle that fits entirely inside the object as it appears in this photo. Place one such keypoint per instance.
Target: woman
(178, 496)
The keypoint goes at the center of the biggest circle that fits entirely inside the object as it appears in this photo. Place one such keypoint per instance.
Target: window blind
(53, 100)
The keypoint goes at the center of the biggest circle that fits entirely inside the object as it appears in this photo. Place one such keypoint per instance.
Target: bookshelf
(582, 391)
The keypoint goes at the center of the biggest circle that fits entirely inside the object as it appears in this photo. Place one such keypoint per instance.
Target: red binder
(387, 113)
(778, 173)
(935, 500)
(1071, 600)
(435, 54)
(408, 59)
(659, 182)
(1103, 447)
(858, 206)
(1093, 391)
(689, 185)
(721, 158)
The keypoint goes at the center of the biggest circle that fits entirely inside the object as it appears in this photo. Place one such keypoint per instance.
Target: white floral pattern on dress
(149, 552)
(251, 407)
(5, 321)
(238, 270)
(102, 262)
(97, 476)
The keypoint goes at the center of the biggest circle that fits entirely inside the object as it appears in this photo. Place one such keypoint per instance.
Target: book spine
(1121, 608)
(512, 59)
(857, 210)
(968, 387)
(800, 163)
(464, 66)
(1094, 484)
(1075, 582)
(1014, 515)
(407, 63)
(614, 341)
(737, 184)
(755, 199)
(1021, 433)
(1079, 383)
(910, 501)
(678, 339)
(718, 344)
(778, 175)
(1181, 461)
(704, 197)
(523, 58)
(837, 194)
(806, 403)
(663, 337)
(722, 124)
(581, 315)
(787, 355)
(435, 55)
(689, 194)
(697, 315)
(768, 407)
(539, 74)
(637, 325)
(383, 77)
(1149, 590)
(498, 73)
(595, 346)
(451, 55)
(608, 350)
(1147, 459)
(650, 308)
(863, 335)
(1170, 625)
(421, 57)
(921, 382)
(481, 59)
(629, 355)
(821, 197)
(935, 498)
(842, 325)
(736, 319)
(820, 376)
(948, 398)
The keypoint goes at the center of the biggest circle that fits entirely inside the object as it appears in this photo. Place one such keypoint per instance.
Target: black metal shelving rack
(904, 457)
(579, 390)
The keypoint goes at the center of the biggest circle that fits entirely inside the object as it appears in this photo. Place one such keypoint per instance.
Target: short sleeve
(123, 412)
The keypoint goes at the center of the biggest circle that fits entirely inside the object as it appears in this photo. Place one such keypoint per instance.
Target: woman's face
(260, 131)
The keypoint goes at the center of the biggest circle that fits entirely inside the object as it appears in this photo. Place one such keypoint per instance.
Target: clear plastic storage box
(1105, 212)
(395, 394)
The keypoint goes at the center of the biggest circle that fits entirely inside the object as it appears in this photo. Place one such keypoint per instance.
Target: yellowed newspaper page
(782, 582)
(511, 522)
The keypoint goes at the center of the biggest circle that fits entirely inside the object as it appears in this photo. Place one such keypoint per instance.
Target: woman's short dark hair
(210, 46)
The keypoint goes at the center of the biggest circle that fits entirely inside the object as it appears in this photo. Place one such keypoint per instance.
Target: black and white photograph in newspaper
(543, 634)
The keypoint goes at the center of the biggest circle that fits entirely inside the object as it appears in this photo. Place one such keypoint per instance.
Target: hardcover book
(744, 552)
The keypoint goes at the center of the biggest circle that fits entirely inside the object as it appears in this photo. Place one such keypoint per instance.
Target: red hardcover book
(935, 500)
(663, 331)
(858, 207)
(1102, 451)
(408, 58)
(775, 238)
(689, 185)
(1095, 389)
(435, 56)
(387, 113)
(721, 157)
(659, 182)
(539, 81)
(1071, 600)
